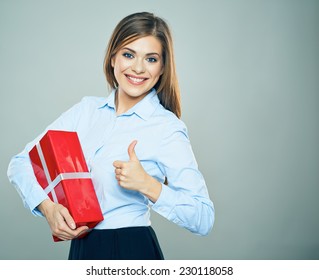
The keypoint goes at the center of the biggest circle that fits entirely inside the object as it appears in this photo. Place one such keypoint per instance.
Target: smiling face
(137, 67)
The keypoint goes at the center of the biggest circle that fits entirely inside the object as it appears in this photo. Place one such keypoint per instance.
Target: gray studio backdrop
(248, 72)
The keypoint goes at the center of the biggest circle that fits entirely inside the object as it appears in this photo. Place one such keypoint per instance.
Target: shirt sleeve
(20, 171)
(185, 201)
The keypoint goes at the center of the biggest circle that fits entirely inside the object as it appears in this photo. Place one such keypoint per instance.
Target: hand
(60, 221)
(132, 176)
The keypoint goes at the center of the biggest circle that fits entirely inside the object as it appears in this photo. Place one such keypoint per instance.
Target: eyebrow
(153, 53)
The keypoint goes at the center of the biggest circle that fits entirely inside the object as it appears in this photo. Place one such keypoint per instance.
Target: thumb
(131, 151)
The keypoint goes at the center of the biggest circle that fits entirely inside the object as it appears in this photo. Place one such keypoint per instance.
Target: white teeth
(135, 80)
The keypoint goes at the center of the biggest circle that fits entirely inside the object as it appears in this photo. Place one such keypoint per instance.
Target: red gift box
(60, 168)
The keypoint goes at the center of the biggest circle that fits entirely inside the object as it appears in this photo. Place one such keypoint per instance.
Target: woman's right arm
(21, 176)
(20, 171)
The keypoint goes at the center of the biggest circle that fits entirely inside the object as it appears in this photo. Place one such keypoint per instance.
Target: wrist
(152, 189)
(44, 206)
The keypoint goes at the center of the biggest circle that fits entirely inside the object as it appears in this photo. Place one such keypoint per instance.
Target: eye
(151, 59)
(128, 55)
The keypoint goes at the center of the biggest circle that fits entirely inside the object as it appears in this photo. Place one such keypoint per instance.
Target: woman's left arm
(185, 200)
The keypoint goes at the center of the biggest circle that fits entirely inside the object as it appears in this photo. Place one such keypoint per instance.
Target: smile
(135, 80)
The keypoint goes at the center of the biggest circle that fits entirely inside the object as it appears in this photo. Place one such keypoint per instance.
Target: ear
(113, 61)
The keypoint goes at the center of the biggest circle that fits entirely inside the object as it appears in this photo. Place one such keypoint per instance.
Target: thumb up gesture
(132, 176)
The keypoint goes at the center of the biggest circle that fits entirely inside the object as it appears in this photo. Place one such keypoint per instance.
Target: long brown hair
(140, 25)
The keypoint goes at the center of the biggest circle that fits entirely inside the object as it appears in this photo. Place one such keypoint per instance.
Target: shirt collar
(110, 101)
(144, 108)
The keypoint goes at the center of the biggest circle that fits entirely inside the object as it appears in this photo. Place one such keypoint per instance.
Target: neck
(124, 102)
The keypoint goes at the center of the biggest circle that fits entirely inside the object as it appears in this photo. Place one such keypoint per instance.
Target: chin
(137, 92)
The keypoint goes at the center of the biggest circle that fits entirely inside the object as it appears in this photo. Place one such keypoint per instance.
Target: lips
(136, 80)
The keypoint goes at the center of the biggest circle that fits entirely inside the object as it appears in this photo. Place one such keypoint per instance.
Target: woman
(137, 150)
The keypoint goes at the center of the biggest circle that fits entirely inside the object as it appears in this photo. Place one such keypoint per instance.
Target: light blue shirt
(163, 149)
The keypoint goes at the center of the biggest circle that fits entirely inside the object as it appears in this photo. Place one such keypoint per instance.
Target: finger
(68, 218)
(120, 178)
(131, 151)
(80, 230)
(118, 164)
(118, 171)
(68, 234)
(63, 231)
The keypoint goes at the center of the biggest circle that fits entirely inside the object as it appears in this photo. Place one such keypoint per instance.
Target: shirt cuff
(166, 202)
(35, 198)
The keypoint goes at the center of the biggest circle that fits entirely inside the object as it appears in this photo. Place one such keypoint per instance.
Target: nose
(138, 66)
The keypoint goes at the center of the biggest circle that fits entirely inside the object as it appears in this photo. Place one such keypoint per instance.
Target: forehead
(148, 44)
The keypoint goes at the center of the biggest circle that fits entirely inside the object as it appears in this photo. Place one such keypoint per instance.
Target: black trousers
(131, 243)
